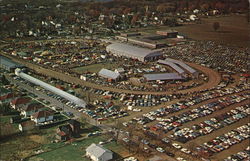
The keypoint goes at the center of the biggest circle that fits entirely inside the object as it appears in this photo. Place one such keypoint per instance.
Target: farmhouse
(98, 153)
(133, 52)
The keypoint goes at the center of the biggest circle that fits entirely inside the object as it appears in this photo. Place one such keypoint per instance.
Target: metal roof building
(183, 65)
(133, 52)
(105, 73)
(163, 76)
(99, 153)
(51, 88)
(172, 65)
(8, 64)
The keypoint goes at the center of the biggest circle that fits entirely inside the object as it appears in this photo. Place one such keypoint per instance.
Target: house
(99, 153)
(29, 109)
(64, 132)
(75, 126)
(42, 116)
(26, 126)
(19, 101)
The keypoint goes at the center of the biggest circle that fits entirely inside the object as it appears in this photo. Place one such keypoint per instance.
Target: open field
(233, 31)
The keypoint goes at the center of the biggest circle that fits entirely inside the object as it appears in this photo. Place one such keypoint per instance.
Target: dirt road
(214, 78)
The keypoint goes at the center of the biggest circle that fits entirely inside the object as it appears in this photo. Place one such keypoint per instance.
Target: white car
(159, 149)
(185, 150)
(177, 146)
(181, 159)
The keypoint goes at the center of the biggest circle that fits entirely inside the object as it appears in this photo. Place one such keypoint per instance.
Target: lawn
(94, 68)
(69, 152)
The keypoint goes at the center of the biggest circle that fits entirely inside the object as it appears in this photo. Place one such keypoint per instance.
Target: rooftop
(183, 65)
(132, 50)
(163, 76)
(172, 65)
(97, 150)
(108, 74)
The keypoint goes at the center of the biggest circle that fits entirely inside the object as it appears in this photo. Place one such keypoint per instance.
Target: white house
(99, 153)
(42, 116)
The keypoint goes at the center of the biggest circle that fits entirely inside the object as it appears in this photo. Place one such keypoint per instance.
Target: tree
(216, 26)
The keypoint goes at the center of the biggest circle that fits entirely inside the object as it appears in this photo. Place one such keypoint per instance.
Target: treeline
(165, 6)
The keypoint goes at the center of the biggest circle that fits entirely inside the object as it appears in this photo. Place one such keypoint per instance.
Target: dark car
(170, 154)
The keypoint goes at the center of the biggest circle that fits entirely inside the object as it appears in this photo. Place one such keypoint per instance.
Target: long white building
(133, 52)
(51, 88)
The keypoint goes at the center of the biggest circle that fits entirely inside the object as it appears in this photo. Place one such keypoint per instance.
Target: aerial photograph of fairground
(124, 80)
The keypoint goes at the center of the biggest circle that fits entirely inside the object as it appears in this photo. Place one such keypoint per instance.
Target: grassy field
(233, 30)
(72, 152)
(94, 68)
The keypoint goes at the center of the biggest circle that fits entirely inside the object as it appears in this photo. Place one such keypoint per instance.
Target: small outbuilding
(98, 153)
(108, 74)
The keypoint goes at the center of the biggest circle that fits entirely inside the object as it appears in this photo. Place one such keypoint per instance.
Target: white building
(133, 52)
(108, 74)
(99, 153)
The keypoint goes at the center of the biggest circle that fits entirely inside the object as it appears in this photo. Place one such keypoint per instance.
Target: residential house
(29, 109)
(26, 126)
(75, 126)
(42, 116)
(64, 132)
(99, 153)
(19, 101)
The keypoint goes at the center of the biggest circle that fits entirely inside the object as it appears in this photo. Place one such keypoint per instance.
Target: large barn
(133, 52)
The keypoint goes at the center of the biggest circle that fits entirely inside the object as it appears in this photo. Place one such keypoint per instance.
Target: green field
(94, 68)
(70, 152)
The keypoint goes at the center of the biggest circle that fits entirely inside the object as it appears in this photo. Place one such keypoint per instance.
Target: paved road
(55, 102)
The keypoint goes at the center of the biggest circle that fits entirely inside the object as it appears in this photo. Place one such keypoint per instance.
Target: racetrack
(214, 79)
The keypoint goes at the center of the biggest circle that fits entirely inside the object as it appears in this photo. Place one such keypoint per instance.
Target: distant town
(150, 80)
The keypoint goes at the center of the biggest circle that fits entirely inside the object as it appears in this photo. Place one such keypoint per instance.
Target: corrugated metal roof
(53, 89)
(8, 63)
(163, 76)
(185, 66)
(97, 150)
(132, 50)
(172, 65)
(108, 74)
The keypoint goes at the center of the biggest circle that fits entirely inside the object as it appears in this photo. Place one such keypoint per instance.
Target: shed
(99, 153)
(105, 73)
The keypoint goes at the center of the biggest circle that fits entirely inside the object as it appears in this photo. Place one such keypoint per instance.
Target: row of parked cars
(226, 140)
(170, 123)
(241, 155)
(216, 56)
(188, 102)
(206, 127)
